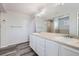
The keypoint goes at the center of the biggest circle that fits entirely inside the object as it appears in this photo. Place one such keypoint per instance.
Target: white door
(51, 48)
(67, 51)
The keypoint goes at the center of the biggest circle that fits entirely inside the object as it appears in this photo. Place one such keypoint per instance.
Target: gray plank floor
(18, 50)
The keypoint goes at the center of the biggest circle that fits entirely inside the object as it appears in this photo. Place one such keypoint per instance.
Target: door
(50, 26)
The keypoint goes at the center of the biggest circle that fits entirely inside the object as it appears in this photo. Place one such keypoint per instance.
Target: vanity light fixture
(59, 4)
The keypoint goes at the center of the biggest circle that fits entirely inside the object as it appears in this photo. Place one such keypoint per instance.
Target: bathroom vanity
(54, 44)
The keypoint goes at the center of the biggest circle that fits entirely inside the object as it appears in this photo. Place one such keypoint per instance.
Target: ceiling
(26, 8)
(37, 8)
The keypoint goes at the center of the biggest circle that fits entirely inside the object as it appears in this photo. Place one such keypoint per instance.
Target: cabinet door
(40, 46)
(33, 42)
(67, 51)
(51, 48)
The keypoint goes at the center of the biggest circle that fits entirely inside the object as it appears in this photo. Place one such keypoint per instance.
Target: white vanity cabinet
(51, 48)
(67, 51)
(37, 44)
(47, 47)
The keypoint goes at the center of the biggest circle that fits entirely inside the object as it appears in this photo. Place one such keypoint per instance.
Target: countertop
(59, 38)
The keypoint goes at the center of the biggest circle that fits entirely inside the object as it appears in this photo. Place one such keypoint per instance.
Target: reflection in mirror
(50, 25)
(62, 25)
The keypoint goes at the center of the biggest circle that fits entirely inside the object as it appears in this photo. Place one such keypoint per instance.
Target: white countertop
(60, 38)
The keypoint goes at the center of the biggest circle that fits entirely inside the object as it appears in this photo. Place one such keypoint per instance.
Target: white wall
(15, 29)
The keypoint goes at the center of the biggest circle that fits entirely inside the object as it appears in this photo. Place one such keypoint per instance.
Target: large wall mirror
(62, 25)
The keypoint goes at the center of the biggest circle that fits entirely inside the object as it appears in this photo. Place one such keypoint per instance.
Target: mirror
(62, 25)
